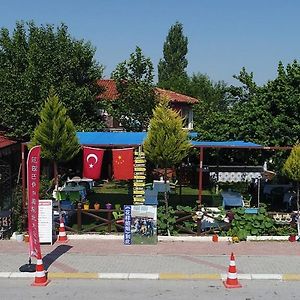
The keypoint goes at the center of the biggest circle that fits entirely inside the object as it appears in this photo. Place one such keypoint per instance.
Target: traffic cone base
(231, 284)
(232, 281)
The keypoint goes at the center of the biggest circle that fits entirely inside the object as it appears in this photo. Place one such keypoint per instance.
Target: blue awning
(127, 139)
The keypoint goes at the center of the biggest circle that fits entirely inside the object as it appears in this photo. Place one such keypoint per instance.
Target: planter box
(268, 238)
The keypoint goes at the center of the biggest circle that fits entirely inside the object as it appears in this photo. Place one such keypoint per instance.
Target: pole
(23, 175)
(258, 192)
(200, 177)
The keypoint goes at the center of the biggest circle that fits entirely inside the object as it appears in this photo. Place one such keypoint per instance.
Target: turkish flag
(92, 162)
(123, 163)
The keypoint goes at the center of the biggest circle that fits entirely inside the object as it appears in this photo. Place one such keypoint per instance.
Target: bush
(244, 224)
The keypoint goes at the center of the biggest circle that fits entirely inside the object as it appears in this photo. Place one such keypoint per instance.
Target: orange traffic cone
(40, 275)
(232, 281)
(62, 236)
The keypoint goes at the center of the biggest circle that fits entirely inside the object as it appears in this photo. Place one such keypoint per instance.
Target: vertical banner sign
(127, 224)
(33, 186)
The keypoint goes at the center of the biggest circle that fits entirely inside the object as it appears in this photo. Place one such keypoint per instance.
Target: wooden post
(109, 220)
(79, 221)
(23, 145)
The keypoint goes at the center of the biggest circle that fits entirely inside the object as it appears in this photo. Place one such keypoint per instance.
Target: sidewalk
(175, 258)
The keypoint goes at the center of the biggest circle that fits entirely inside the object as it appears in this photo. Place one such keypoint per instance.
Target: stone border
(153, 276)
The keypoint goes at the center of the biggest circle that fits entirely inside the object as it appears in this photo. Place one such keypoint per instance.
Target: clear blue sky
(224, 35)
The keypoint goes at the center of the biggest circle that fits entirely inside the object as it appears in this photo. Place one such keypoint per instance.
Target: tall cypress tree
(171, 69)
(55, 133)
(167, 142)
(292, 168)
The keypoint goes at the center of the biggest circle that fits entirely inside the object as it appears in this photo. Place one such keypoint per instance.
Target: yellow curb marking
(74, 275)
(290, 277)
(174, 276)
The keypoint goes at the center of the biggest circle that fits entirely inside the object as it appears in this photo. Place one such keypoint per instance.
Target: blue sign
(127, 224)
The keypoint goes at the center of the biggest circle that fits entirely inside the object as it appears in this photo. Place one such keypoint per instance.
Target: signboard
(140, 224)
(127, 224)
(45, 221)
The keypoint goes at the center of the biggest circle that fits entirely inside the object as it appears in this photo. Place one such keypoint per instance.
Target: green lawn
(121, 192)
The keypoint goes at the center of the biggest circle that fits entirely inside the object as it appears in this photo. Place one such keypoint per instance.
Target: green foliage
(166, 221)
(46, 186)
(18, 222)
(55, 131)
(292, 165)
(171, 69)
(250, 224)
(292, 168)
(285, 230)
(34, 58)
(166, 143)
(134, 80)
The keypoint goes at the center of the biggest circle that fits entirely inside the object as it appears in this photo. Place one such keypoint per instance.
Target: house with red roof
(179, 102)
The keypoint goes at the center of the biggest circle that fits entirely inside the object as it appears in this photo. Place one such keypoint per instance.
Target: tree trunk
(166, 199)
(298, 219)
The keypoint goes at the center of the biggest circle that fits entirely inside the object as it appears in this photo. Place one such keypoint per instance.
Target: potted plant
(108, 206)
(96, 206)
(86, 205)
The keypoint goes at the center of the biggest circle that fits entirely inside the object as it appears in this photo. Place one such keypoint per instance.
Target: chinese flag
(92, 162)
(123, 163)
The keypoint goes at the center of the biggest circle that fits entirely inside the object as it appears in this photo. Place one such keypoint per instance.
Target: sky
(223, 35)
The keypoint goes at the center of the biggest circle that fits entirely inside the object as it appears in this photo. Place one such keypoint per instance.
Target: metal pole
(200, 177)
(23, 175)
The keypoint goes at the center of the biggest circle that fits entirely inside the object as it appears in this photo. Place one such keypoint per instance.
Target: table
(76, 193)
(231, 198)
(161, 186)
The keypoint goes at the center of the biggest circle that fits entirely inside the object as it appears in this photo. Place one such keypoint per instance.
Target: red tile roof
(110, 89)
(4, 141)
(111, 93)
(176, 97)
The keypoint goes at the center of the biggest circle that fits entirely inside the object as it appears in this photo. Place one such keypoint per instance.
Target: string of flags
(123, 163)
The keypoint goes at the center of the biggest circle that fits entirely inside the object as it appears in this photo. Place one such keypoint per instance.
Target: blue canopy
(126, 139)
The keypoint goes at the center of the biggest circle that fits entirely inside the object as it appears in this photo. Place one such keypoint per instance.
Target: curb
(160, 238)
(153, 276)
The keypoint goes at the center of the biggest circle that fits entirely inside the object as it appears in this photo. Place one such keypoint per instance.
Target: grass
(120, 192)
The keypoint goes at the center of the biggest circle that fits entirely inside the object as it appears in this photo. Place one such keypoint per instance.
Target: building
(179, 102)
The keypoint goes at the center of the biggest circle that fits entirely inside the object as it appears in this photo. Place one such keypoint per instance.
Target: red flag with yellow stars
(123, 165)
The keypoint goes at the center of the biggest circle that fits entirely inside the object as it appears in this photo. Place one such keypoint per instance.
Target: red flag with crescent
(123, 166)
(92, 162)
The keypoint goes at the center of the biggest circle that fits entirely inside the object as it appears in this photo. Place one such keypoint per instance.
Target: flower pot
(292, 238)
(26, 238)
(86, 206)
(19, 237)
(215, 238)
(97, 206)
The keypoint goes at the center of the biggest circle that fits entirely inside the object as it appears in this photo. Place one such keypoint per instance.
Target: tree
(291, 168)
(171, 69)
(134, 80)
(32, 59)
(55, 133)
(167, 142)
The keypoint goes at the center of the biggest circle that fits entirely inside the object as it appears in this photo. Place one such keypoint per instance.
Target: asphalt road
(19, 289)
